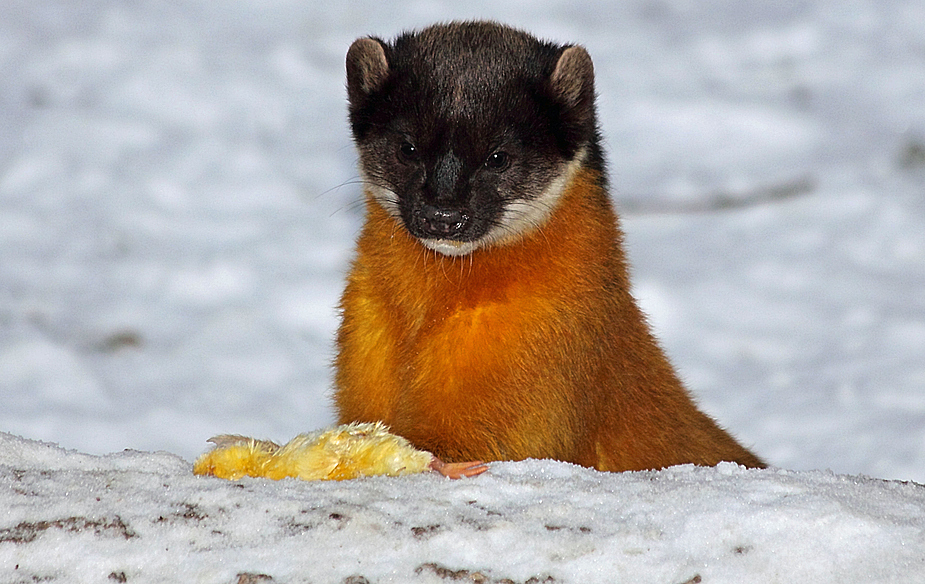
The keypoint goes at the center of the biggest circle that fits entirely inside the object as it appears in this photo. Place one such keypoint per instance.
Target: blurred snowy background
(179, 199)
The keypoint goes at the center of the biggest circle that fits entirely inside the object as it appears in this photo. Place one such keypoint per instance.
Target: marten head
(469, 132)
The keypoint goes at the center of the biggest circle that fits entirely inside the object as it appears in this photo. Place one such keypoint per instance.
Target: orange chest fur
(450, 323)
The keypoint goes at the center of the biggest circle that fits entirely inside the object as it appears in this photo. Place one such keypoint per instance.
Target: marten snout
(448, 204)
(431, 221)
(440, 211)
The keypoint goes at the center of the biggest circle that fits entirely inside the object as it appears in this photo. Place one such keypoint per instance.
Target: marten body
(488, 313)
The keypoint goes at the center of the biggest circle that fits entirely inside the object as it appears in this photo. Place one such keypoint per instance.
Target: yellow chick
(345, 452)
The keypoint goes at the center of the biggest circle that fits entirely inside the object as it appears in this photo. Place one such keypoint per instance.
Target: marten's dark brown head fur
(469, 132)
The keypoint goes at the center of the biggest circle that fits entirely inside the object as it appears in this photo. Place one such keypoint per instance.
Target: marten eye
(408, 151)
(498, 161)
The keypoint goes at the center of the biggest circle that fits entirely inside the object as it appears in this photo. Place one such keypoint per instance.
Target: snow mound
(143, 517)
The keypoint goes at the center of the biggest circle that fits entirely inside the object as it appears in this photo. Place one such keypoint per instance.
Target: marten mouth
(454, 224)
(451, 231)
(432, 221)
(449, 247)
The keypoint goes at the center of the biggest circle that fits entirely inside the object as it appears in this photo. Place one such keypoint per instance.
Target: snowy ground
(178, 202)
(141, 517)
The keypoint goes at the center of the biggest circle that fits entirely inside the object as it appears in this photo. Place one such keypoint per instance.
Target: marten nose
(442, 222)
(443, 183)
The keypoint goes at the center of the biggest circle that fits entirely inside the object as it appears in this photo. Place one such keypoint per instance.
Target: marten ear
(367, 68)
(572, 85)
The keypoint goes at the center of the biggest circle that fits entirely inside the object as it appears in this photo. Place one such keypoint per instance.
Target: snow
(178, 204)
(142, 517)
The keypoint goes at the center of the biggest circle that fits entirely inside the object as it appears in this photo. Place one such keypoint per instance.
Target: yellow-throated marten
(488, 312)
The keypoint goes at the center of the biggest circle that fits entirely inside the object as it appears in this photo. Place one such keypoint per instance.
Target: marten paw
(458, 470)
